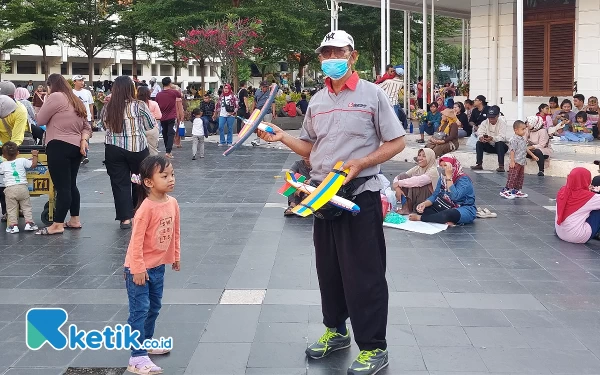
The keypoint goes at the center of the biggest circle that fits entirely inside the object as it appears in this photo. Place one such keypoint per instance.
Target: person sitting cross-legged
(416, 184)
(431, 123)
(492, 137)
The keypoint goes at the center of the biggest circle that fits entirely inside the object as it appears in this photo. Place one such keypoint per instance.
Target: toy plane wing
(248, 124)
(322, 193)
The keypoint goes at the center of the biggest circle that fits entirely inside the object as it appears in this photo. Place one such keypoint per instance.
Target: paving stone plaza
(500, 296)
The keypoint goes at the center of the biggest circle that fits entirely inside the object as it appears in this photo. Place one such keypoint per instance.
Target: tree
(47, 17)
(8, 38)
(91, 27)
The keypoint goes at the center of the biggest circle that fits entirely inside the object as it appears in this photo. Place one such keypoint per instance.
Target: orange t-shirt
(155, 239)
(290, 109)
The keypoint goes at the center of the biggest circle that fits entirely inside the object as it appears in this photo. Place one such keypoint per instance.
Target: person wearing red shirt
(289, 109)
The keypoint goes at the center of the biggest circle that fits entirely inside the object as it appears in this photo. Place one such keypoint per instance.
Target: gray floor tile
(277, 355)
(461, 359)
(281, 332)
(550, 338)
(284, 314)
(525, 318)
(400, 335)
(405, 359)
(431, 316)
(441, 336)
(219, 358)
(570, 361)
(48, 357)
(496, 337)
(230, 323)
(481, 318)
(513, 360)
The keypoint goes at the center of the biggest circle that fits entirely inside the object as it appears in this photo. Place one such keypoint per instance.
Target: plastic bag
(472, 142)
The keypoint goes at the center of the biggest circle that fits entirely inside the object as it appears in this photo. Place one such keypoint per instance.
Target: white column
(382, 38)
(494, 9)
(334, 14)
(388, 44)
(425, 54)
(432, 46)
(406, 92)
(520, 78)
(407, 67)
(462, 50)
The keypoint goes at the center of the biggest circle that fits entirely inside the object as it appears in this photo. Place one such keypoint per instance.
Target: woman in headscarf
(417, 184)
(453, 201)
(577, 208)
(22, 96)
(445, 140)
(226, 108)
(538, 141)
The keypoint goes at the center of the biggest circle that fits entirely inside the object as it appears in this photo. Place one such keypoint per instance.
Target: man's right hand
(482, 139)
(277, 137)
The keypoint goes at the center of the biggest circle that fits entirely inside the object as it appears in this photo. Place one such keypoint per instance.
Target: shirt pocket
(356, 124)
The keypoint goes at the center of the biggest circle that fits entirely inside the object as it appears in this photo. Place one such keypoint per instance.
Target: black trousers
(351, 261)
(120, 164)
(168, 132)
(499, 148)
(542, 158)
(2, 201)
(64, 160)
(430, 215)
(242, 113)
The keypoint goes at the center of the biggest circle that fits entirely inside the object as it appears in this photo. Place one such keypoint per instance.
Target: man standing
(154, 88)
(392, 87)
(243, 103)
(492, 134)
(167, 102)
(259, 102)
(350, 120)
(88, 102)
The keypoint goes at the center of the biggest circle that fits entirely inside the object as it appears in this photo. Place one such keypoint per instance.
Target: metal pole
(432, 48)
(520, 78)
(406, 92)
(388, 44)
(425, 97)
(334, 15)
(407, 67)
(382, 38)
(462, 49)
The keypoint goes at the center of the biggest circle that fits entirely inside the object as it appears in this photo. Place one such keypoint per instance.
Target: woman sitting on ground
(464, 128)
(577, 208)
(538, 141)
(453, 201)
(445, 140)
(417, 184)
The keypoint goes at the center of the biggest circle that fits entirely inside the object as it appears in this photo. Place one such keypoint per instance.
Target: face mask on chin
(335, 68)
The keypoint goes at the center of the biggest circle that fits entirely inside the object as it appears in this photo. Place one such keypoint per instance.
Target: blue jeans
(426, 128)
(210, 126)
(594, 221)
(401, 115)
(144, 304)
(576, 137)
(230, 120)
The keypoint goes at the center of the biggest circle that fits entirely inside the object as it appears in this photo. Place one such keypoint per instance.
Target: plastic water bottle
(411, 127)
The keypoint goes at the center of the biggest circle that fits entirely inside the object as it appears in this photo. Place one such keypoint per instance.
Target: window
(549, 48)
(115, 70)
(191, 70)
(154, 70)
(64, 68)
(126, 70)
(79, 68)
(97, 71)
(166, 70)
(199, 72)
(26, 67)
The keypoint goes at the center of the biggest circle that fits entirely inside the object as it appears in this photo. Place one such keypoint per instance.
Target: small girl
(16, 192)
(154, 243)
(581, 131)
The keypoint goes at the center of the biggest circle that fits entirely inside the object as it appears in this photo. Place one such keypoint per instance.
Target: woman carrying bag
(226, 108)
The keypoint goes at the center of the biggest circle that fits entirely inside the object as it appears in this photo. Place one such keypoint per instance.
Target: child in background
(580, 131)
(302, 167)
(518, 153)
(16, 191)
(154, 243)
(198, 134)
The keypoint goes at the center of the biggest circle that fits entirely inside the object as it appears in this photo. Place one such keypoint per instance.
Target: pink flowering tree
(226, 41)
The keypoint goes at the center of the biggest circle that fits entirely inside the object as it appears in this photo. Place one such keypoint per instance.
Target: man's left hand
(355, 166)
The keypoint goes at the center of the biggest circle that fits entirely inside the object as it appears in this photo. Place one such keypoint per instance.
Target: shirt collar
(350, 83)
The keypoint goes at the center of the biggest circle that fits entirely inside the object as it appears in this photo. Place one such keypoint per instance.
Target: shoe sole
(386, 364)
(331, 351)
(133, 370)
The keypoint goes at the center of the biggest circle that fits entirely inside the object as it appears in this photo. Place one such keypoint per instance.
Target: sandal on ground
(288, 212)
(68, 226)
(158, 351)
(44, 232)
(143, 366)
(122, 225)
(484, 213)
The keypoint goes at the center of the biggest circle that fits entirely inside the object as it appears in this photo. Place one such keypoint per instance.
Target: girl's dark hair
(149, 166)
(10, 149)
(566, 101)
(58, 83)
(143, 94)
(434, 104)
(461, 107)
(196, 111)
(542, 106)
(469, 102)
(581, 114)
(553, 99)
(114, 110)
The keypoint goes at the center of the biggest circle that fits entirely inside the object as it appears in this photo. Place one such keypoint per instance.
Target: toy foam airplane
(320, 195)
(264, 126)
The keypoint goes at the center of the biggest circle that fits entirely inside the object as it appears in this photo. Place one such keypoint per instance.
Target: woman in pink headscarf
(226, 108)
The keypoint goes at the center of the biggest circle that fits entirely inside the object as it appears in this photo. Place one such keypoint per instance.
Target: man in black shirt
(302, 104)
(479, 113)
(243, 103)
(207, 109)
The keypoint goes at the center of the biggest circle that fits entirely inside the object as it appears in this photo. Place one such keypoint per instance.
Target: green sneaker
(369, 362)
(329, 342)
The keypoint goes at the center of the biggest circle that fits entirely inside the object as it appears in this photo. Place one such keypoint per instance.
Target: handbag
(441, 203)
(439, 136)
(228, 107)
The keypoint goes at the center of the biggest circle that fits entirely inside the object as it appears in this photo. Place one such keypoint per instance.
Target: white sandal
(485, 213)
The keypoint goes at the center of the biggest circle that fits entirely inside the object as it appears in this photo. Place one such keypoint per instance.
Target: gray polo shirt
(350, 125)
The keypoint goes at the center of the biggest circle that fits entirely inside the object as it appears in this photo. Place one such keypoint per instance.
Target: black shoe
(500, 169)
(125, 226)
(194, 157)
(369, 362)
(477, 167)
(328, 343)
(541, 174)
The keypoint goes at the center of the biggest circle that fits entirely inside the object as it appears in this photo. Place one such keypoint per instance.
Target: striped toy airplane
(320, 195)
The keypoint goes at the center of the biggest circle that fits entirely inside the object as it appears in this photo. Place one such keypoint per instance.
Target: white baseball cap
(78, 78)
(337, 38)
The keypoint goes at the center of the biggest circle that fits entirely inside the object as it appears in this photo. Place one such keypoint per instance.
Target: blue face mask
(335, 68)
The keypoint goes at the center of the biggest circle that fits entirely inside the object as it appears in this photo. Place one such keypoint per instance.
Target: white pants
(152, 137)
(195, 140)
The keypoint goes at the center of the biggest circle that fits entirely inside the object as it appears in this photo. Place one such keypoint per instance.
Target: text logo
(43, 325)
(356, 105)
(329, 36)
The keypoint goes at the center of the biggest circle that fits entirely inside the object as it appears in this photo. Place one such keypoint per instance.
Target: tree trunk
(202, 64)
(234, 74)
(175, 64)
(91, 68)
(45, 62)
(134, 54)
(264, 67)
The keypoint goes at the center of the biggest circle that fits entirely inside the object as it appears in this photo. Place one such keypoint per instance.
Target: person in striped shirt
(392, 87)
(126, 121)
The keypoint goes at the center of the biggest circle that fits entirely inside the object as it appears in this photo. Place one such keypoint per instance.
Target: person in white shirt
(16, 191)
(154, 88)
(88, 102)
(392, 88)
(197, 133)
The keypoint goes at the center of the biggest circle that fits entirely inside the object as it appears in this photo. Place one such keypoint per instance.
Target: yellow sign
(41, 184)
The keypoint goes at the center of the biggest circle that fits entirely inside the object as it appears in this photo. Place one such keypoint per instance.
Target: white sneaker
(12, 229)
(507, 194)
(255, 143)
(30, 227)
(519, 194)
